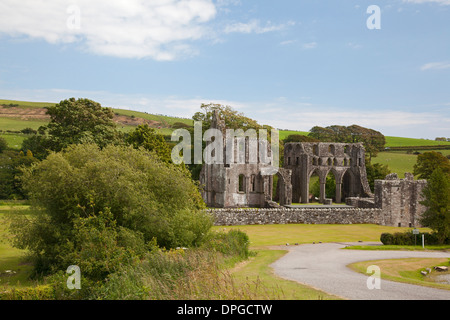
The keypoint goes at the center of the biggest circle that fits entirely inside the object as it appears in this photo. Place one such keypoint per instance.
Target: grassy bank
(257, 274)
(406, 270)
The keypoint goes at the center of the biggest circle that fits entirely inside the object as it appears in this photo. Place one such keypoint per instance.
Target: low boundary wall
(254, 216)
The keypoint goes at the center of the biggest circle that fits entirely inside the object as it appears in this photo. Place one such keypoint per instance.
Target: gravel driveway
(323, 266)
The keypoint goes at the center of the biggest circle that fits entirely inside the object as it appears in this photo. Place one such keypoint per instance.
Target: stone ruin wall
(255, 216)
(395, 203)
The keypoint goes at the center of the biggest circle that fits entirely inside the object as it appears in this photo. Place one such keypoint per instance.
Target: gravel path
(323, 266)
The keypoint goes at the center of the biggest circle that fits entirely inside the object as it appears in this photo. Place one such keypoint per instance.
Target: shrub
(409, 239)
(44, 292)
(142, 197)
(387, 238)
(235, 242)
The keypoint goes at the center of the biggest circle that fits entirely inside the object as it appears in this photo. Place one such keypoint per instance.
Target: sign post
(415, 233)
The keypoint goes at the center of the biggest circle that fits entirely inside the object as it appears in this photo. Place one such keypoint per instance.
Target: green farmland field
(26, 104)
(411, 142)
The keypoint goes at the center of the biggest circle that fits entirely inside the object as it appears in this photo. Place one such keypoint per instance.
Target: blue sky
(289, 64)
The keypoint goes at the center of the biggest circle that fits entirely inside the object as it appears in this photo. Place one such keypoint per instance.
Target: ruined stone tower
(239, 179)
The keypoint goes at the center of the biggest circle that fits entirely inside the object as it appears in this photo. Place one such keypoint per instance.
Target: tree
(376, 171)
(322, 134)
(75, 121)
(10, 163)
(373, 140)
(299, 138)
(147, 198)
(3, 144)
(233, 119)
(437, 202)
(427, 162)
(149, 139)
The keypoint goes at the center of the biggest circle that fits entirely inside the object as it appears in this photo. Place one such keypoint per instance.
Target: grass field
(11, 258)
(406, 270)
(397, 162)
(19, 124)
(408, 142)
(26, 104)
(262, 236)
(285, 133)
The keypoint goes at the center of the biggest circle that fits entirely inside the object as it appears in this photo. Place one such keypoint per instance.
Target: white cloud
(354, 45)
(160, 29)
(310, 45)
(254, 26)
(435, 66)
(287, 42)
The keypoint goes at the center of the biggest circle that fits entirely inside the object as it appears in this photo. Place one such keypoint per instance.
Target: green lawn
(406, 270)
(11, 258)
(280, 234)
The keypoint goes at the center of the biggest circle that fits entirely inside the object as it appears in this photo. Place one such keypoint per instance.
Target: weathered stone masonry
(255, 216)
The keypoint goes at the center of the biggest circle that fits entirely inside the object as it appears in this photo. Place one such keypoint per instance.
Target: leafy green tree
(149, 139)
(3, 144)
(427, 162)
(10, 170)
(437, 202)
(38, 144)
(376, 171)
(299, 138)
(74, 121)
(233, 119)
(322, 134)
(373, 140)
(147, 198)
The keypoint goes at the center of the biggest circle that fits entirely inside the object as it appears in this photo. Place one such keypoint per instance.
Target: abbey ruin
(242, 183)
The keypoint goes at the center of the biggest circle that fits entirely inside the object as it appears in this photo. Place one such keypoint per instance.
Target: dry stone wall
(255, 216)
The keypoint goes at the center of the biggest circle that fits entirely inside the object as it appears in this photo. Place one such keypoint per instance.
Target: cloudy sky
(288, 63)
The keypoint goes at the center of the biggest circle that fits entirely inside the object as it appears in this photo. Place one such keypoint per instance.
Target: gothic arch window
(331, 149)
(316, 150)
(253, 183)
(241, 183)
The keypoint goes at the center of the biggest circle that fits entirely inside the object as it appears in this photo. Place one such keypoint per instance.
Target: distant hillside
(18, 115)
